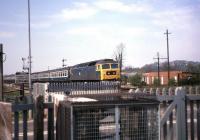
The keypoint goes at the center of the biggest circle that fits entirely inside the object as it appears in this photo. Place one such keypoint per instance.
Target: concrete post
(170, 91)
(197, 90)
(145, 91)
(164, 92)
(1, 72)
(181, 114)
(152, 91)
(117, 115)
(158, 92)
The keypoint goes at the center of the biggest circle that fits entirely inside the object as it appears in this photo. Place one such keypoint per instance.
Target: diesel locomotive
(98, 70)
(105, 69)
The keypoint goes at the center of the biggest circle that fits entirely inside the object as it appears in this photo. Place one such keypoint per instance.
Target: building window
(152, 80)
(162, 80)
(148, 80)
(175, 78)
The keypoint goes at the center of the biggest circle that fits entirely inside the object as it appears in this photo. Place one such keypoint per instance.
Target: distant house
(176, 75)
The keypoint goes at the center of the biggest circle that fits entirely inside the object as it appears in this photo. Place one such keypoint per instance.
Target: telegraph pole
(158, 59)
(167, 33)
(1, 72)
(29, 39)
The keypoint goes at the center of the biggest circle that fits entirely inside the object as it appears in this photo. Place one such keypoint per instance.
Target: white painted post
(170, 91)
(117, 130)
(145, 91)
(197, 90)
(164, 92)
(191, 90)
(158, 92)
(152, 91)
(181, 119)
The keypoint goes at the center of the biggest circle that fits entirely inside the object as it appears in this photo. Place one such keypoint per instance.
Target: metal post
(72, 123)
(29, 39)
(1, 72)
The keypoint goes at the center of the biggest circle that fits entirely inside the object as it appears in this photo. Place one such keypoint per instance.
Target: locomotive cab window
(114, 66)
(98, 67)
(105, 66)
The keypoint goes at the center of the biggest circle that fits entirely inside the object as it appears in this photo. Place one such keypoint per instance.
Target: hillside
(182, 65)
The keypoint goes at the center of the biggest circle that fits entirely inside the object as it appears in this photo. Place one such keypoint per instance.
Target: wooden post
(22, 91)
(51, 123)
(38, 118)
(1, 72)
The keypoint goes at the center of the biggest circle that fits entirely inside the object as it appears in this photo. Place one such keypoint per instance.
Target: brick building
(177, 75)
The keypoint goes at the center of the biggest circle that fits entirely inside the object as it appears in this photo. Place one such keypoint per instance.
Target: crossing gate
(123, 119)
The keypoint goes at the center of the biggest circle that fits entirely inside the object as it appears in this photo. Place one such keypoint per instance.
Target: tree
(124, 80)
(172, 82)
(119, 55)
(135, 80)
(156, 82)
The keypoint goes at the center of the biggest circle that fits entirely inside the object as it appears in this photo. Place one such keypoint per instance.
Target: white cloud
(118, 6)
(79, 11)
(178, 18)
(104, 31)
(84, 11)
(7, 34)
(40, 25)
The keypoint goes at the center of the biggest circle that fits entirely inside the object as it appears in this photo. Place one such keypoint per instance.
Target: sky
(86, 30)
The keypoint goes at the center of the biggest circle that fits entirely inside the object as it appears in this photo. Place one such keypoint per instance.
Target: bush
(156, 82)
(136, 80)
(124, 79)
(172, 82)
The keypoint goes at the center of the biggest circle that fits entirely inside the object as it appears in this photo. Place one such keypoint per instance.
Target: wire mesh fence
(108, 120)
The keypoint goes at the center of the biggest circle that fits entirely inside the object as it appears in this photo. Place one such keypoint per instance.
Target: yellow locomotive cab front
(109, 71)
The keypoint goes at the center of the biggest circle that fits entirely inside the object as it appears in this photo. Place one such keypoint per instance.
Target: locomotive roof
(92, 63)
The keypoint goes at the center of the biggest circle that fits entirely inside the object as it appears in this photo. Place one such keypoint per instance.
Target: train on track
(98, 70)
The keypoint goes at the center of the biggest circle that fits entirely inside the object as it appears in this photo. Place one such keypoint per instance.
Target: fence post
(181, 117)
(164, 92)
(198, 124)
(117, 114)
(152, 91)
(197, 90)
(22, 91)
(158, 92)
(51, 123)
(191, 91)
(38, 118)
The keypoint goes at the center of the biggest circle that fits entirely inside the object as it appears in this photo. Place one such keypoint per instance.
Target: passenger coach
(99, 70)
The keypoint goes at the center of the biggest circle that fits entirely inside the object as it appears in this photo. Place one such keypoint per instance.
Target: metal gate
(108, 120)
